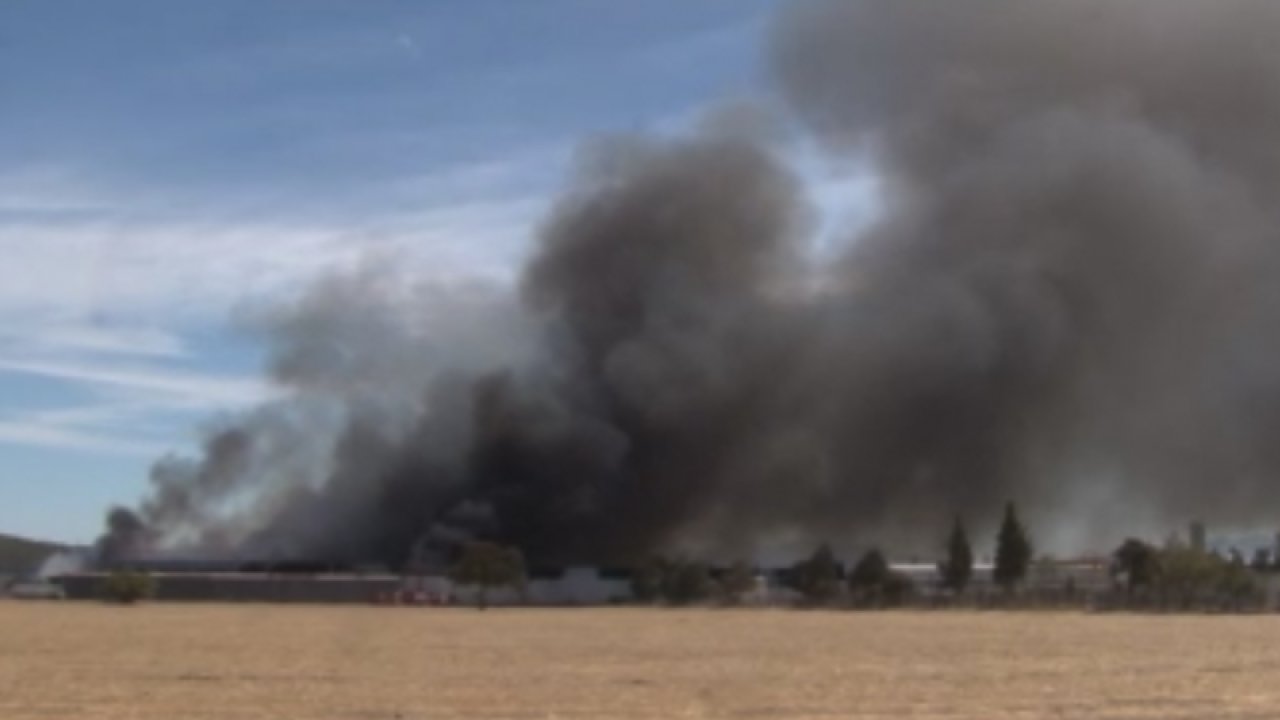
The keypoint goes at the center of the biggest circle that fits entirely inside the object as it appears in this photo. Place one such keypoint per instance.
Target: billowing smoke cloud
(1065, 301)
(1081, 234)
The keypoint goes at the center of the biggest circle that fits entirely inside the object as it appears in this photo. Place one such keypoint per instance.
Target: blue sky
(164, 165)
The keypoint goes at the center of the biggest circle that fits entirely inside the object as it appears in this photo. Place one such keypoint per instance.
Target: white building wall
(928, 581)
(576, 586)
(579, 586)
(36, 590)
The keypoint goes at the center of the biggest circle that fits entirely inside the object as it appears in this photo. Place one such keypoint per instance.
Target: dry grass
(175, 662)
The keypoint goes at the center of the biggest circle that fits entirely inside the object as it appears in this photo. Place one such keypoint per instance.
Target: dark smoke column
(653, 273)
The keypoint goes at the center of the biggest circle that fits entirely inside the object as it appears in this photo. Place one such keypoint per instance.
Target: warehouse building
(247, 587)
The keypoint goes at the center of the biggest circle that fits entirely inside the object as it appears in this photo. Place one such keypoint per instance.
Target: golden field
(65, 660)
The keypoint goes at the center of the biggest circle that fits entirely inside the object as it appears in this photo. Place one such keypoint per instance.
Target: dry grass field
(175, 662)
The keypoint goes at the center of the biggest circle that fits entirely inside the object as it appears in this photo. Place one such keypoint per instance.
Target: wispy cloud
(114, 427)
(23, 431)
(156, 268)
(101, 303)
(174, 388)
(130, 409)
(50, 189)
(54, 337)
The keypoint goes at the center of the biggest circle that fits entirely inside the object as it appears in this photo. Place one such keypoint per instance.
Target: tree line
(817, 580)
(1142, 576)
(1174, 577)
(1179, 577)
(821, 580)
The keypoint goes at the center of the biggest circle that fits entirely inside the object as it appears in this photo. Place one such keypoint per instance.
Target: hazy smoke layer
(1067, 301)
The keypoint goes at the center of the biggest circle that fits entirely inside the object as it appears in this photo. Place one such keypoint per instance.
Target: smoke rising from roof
(1067, 300)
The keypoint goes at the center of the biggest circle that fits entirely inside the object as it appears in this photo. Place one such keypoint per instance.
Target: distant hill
(19, 556)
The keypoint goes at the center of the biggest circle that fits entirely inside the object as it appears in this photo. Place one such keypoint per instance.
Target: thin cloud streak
(30, 434)
(184, 388)
(77, 337)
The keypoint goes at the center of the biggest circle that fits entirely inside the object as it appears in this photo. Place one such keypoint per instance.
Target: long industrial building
(569, 586)
(545, 587)
(247, 587)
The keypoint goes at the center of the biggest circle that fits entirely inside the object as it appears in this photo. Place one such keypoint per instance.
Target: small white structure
(36, 590)
(764, 593)
(579, 586)
(571, 586)
(928, 580)
(772, 590)
(1089, 576)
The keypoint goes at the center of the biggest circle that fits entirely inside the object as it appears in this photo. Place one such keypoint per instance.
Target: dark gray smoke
(1066, 301)
(1080, 243)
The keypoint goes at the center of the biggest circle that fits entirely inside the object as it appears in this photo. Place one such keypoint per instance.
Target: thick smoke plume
(1066, 300)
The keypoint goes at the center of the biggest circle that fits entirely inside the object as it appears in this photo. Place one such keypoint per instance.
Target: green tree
(897, 589)
(1236, 585)
(1138, 563)
(817, 578)
(1189, 577)
(686, 582)
(1261, 561)
(871, 571)
(676, 582)
(487, 566)
(872, 582)
(1013, 551)
(869, 577)
(127, 587)
(957, 569)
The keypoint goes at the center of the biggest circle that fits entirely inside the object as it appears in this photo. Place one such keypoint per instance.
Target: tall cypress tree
(1013, 551)
(957, 569)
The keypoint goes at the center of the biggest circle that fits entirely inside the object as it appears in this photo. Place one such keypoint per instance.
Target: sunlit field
(169, 661)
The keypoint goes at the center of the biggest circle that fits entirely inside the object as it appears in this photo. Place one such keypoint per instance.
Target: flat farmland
(63, 660)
